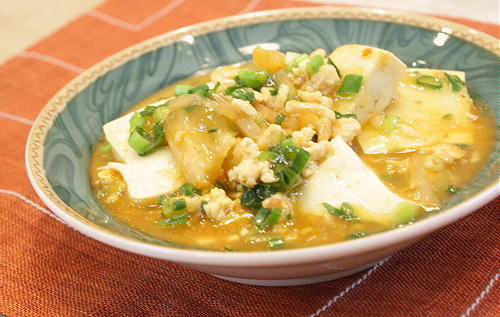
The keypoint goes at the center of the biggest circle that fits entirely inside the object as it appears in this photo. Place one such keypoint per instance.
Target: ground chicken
(276, 103)
(279, 201)
(318, 150)
(325, 80)
(111, 185)
(225, 76)
(271, 136)
(316, 97)
(347, 129)
(303, 137)
(216, 204)
(250, 170)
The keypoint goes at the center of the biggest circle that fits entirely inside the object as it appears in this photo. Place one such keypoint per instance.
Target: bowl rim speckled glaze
(35, 147)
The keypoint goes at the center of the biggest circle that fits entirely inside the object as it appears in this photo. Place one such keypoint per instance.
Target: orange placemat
(47, 269)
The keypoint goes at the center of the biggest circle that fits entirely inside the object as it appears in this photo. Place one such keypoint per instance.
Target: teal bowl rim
(36, 172)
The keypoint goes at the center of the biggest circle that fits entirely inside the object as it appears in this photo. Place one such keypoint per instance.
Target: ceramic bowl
(63, 136)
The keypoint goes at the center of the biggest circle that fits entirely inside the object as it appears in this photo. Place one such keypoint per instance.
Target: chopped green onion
(339, 115)
(147, 111)
(253, 78)
(287, 177)
(260, 217)
(405, 212)
(106, 148)
(448, 116)
(280, 118)
(390, 123)
(137, 121)
(202, 90)
(276, 243)
(351, 84)
(216, 86)
(139, 140)
(336, 68)
(157, 141)
(179, 204)
(456, 82)
(213, 130)
(462, 145)
(429, 81)
(189, 190)
(296, 61)
(273, 217)
(162, 199)
(253, 197)
(182, 89)
(160, 113)
(266, 156)
(453, 189)
(167, 209)
(175, 220)
(220, 185)
(243, 94)
(230, 89)
(356, 235)
(202, 208)
(314, 65)
(273, 92)
(228, 249)
(345, 211)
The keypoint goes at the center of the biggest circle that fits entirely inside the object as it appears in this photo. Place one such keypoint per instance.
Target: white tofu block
(381, 71)
(151, 175)
(421, 111)
(117, 133)
(343, 177)
(146, 176)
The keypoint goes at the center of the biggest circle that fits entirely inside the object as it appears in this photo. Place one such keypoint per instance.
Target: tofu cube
(343, 177)
(381, 71)
(427, 116)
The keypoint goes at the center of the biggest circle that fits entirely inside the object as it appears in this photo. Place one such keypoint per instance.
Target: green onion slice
(243, 94)
(276, 243)
(139, 140)
(273, 92)
(157, 141)
(260, 217)
(336, 68)
(253, 78)
(295, 62)
(106, 148)
(314, 64)
(137, 121)
(448, 116)
(351, 84)
(456, 82)
(189, 190)
(180, 219)
(280, 118)
(345, 211)
(273, 217)
(391, 123)
(429, 81)
(266, 156)
(182, 89)
(339, 115)
(213, 130)
(160, 113)
(179, 204)
(453, 189)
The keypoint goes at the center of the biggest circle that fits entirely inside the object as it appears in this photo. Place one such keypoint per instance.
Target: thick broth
(304, 229)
